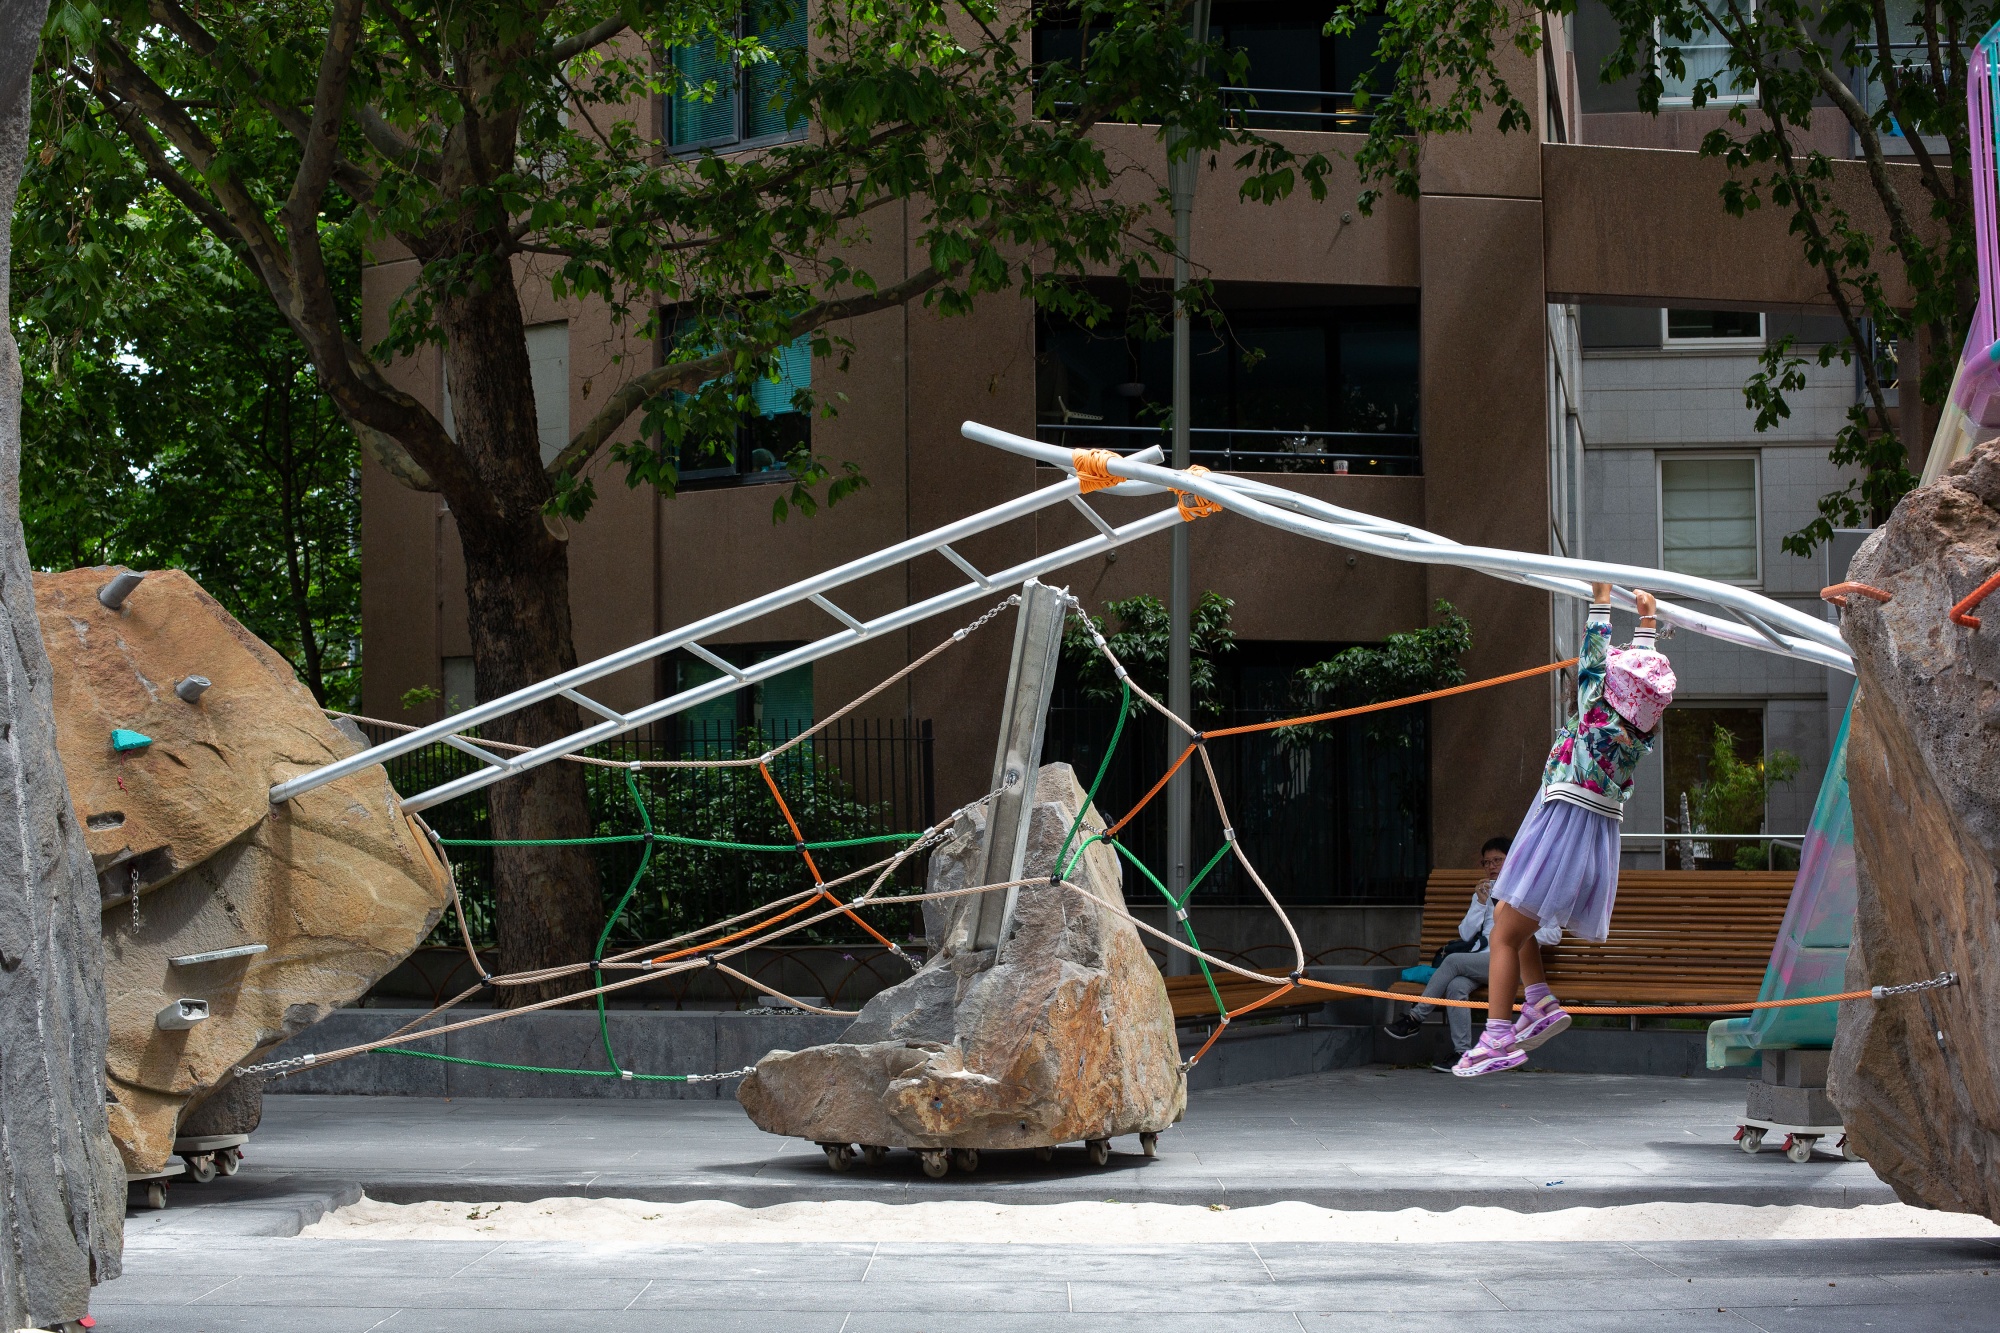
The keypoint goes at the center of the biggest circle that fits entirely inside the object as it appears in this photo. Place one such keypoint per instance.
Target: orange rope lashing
(1193, 506)
(1093, 470)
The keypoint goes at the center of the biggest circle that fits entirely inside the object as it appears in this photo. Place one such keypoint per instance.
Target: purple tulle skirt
(1563, 867)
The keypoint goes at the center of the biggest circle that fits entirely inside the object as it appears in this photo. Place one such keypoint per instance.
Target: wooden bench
(1691, 936)
(1698, 936)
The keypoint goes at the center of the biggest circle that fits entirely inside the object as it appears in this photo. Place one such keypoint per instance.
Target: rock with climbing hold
(1923, 772)
(190, 689)
(123, 740)
(338, 885)
(1067, 1036)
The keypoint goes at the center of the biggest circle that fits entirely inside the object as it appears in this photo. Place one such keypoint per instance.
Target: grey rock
(62, 1188)
(1917, 1077)
(1066, 1036)
(235, 1107)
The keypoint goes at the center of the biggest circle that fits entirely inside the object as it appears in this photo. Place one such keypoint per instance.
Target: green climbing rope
(679, 841)
(530, 1069)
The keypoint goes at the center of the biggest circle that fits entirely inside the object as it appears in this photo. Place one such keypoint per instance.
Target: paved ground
(219, 1259)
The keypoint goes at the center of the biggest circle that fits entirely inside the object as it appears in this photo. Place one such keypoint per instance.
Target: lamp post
(1181, 176)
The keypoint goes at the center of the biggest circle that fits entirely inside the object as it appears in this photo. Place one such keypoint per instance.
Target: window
(747, 108)
(1296, 76)
(1711, 328)
(777, 709)
(1704, 55)
(461, 686)
(758, 449)
(1709, 518)
(548, 378)
(1325, 389)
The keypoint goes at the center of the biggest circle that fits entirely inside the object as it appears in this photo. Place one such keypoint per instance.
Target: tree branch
(575, 45)
(1892, 93)
(687, 375)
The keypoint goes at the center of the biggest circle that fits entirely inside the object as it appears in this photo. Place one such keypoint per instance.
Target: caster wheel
(156, 1194)
(1799, 1147)
(1749, 1138)
(201, 1167)
(1847, 1150)
(228, 1160)
(1149, 1144)
(965, 1159)
(839, 1156)
(1100, 1151)
(936, 1162)
(874, 1154)
(1045, 1154)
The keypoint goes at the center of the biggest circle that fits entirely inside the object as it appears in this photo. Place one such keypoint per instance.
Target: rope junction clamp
(1194, 506)
(1093, 471)
(1909, 988)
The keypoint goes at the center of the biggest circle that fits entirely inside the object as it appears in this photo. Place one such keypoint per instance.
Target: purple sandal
(1539, 1023)
(1487, 1059)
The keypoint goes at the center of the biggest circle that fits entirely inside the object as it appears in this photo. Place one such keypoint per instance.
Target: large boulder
(192, 859)
(1917, 1077)
(1067, 1036)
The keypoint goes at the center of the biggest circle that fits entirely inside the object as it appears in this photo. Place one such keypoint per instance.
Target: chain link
(960, 635)
(1910, 988)
(717, 1078)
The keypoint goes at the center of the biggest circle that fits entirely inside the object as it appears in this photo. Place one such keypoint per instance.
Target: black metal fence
(1343, 819)
(859, 778)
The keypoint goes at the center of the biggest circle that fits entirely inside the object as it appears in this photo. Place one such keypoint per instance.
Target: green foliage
(472, 136)
(1141, 641)
(689, 887)
(1791, 72)
(1413, 662)
(419, 695)
(1733, 798)
(170, 417)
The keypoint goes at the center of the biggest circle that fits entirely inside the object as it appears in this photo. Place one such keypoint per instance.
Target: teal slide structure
(1810, 957)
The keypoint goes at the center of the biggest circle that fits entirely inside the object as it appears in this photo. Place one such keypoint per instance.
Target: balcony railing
(1296, 109)
(1223, 449)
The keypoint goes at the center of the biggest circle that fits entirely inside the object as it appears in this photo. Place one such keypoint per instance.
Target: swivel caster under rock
(1045, 1154)
(229, 1160)
(1149, 1144)
(201, 1167)
(1799, 1147)
(965, 1159)
(839, 1156)
(1749, 1138)
(1100, 1151)
(1849, 1151)
(874, 1154)
(937, 1162)
(156, 1194)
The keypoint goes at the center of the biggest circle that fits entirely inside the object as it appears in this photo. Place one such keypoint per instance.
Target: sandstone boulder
(337, 885)
(1068, 1036)
(1917, 1077)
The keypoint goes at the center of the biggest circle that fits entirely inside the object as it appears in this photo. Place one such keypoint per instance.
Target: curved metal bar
(1793, 633)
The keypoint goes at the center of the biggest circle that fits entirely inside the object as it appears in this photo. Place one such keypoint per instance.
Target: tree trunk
(62, 1186)
(550, 904)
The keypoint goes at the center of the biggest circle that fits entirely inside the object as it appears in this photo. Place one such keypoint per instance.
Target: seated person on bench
(1463, 970)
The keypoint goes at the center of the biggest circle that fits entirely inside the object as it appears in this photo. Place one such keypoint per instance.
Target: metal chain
(961, 634)
(1909, 988)
(134, 886)
(717, 1078)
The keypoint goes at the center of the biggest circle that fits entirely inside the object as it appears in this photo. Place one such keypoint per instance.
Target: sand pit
(634, 1221)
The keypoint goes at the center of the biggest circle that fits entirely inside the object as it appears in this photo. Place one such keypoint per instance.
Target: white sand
(633, 1221)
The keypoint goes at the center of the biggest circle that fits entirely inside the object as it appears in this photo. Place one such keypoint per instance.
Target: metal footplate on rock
(211, 1155)
(938, 1162)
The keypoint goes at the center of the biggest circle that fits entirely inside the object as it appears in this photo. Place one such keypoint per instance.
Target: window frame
(735, 142)
(1723, 96)
(739, 474)
(1669, 343)
(1756, 458)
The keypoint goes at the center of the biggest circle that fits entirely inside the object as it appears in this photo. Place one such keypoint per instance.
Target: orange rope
(1093, 472)
(1194, 506)
(811, 865)
(1112, 832)
(1734, 1007)
(1392, 703)
(1837, 594)
(1962, 613)
(793, 910)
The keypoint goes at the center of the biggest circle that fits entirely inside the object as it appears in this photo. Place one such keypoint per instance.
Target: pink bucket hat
(1639, 685)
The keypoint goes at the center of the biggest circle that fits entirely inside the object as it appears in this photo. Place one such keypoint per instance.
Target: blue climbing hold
(122, 740)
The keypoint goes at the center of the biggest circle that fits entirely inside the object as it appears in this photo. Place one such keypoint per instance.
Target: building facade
(1442, 360)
